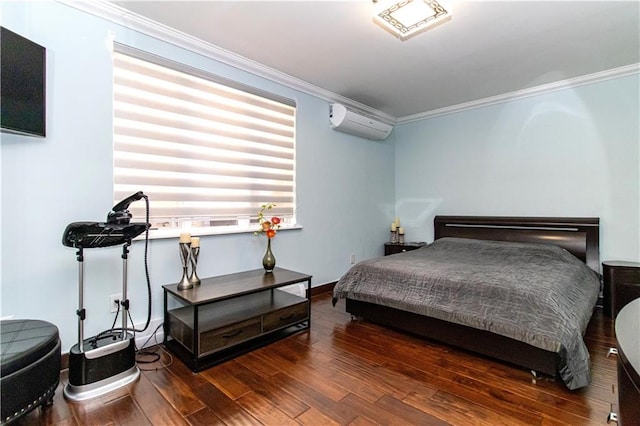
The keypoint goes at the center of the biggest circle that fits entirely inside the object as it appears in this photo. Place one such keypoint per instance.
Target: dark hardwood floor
(349, 372)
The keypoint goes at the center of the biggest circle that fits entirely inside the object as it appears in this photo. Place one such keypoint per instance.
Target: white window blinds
(204, 150)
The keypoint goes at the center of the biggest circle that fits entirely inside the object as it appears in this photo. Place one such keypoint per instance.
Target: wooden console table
(232, 314)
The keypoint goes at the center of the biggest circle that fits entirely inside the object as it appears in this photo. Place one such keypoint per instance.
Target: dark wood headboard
(580, 236)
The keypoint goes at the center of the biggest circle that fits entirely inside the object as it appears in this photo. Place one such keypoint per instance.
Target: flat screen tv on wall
(22, 85)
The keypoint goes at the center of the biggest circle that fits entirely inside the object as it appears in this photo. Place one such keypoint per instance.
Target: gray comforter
(535, 293)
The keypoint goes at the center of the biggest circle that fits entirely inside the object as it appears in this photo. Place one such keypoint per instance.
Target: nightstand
(621, 285)
(393, 248)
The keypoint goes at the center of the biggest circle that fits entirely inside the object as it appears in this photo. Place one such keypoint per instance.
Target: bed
(464, 288)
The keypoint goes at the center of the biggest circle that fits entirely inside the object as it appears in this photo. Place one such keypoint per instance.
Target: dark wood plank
(308, 394)
(153, 405)
(224, 379)
(205, 417)
(357, 385)
(224, 407)
(313, 417)
(380, 414)
(175, 391)
(409, 414)
(125, 411)
(263, 410)
(457, 410)
(284, 401)
(306, 373)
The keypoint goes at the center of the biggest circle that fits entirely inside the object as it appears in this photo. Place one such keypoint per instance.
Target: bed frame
(580, 236)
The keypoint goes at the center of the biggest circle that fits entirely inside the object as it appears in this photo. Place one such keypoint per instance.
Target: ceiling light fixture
(406, 18)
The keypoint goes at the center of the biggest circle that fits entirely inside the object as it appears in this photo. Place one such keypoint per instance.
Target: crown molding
(118, 15)
(525, 93)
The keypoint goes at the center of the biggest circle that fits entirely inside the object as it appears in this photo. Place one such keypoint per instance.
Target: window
(208, 152)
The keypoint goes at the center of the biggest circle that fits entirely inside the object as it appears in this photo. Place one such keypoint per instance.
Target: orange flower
(270, 228)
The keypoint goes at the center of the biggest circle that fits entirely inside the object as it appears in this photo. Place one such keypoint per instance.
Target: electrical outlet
(352, 259)
(114, 300)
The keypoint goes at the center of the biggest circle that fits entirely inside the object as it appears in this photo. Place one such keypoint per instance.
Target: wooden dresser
(628, 342)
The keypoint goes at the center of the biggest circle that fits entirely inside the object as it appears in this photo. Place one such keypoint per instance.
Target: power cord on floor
(154, 354)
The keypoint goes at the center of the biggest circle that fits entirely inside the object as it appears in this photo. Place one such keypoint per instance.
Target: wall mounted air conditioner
(357, 123)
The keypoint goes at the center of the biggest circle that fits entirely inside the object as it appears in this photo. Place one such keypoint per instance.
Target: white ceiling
(489, 48)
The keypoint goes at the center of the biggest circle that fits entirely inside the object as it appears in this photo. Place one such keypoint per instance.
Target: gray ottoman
(29, 366)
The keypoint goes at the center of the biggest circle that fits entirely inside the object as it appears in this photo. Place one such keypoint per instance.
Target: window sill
(160, 233)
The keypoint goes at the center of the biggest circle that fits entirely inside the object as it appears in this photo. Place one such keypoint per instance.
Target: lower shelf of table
(197, 364)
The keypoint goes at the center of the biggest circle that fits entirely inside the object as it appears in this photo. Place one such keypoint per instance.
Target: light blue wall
(572, 152)
(345, 185)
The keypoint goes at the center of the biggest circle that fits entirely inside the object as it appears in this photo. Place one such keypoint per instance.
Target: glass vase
(269, 260)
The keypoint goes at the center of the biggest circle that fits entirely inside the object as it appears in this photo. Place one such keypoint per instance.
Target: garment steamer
(104, 362)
